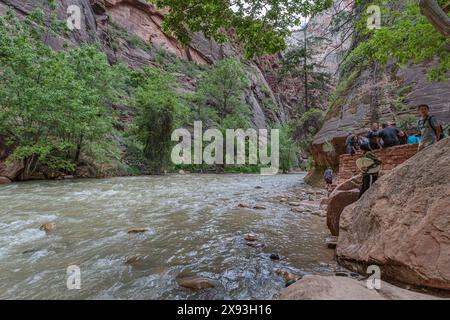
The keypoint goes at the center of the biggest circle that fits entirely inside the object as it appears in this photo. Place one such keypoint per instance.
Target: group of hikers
(428, 132)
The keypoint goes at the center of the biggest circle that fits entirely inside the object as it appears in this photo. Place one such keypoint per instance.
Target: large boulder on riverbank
(11, 170)
(403, 223)
(4, 180)
(341, 288)
(8, 169)
(344, 194)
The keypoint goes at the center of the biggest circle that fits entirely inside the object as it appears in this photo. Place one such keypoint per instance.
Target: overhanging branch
(436, 15)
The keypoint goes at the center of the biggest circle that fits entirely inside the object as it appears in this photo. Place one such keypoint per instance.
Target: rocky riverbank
(402, 226)
(343, 288)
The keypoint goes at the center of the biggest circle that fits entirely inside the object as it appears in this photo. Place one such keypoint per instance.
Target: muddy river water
(194, 225)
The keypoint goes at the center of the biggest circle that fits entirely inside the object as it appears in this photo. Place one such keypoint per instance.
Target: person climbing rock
(370, 166)
(350, 144)
(430, 129)
(328, 176)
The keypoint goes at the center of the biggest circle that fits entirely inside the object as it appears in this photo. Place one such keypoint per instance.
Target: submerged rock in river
(259, 207)
(134, 260)
(274, 256)
(251, 237)
(48, 227)
(136, 230)
(194, 282)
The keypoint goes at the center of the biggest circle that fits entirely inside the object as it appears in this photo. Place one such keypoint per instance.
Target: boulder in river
(255, 245)
(4, 180)
(294, 204)
(244, 205)
(134, 260)
(48, 227)
(274, 256)
(251, 237)
(287, 276)
(340, 198)
(403, 224)
(259, 207)
(136, 230)
(194, 282)
(343, 288)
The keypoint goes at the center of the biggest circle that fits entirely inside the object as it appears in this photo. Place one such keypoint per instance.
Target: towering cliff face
(328, 41)
(144, 21)
(130, 31)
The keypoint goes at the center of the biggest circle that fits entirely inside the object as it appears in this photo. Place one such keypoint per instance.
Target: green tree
(51, 104)
(406, 36)
(159, 111)
(299, 62)
(288, 149)
(223, 89)
(306, 127)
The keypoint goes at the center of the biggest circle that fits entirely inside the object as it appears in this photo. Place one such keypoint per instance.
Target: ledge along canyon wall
(372, 96)
(130, 31)
(391, 158)
(349, 180)
(374, 93)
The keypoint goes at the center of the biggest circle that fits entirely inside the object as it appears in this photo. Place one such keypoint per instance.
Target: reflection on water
(193, 225)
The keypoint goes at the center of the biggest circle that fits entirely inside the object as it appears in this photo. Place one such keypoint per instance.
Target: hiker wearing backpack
(328, 176)
(370, 166)
(431, 130)
(374, 138)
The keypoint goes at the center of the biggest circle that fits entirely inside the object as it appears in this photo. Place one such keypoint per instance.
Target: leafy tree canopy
(261, 26)
(406, 36)
(53, 105)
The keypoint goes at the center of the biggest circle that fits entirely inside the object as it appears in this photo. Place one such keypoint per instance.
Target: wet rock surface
(194, 282)
(136, 230)
(48, 227)
(305, 201)
(345, 288)
(4, 180)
